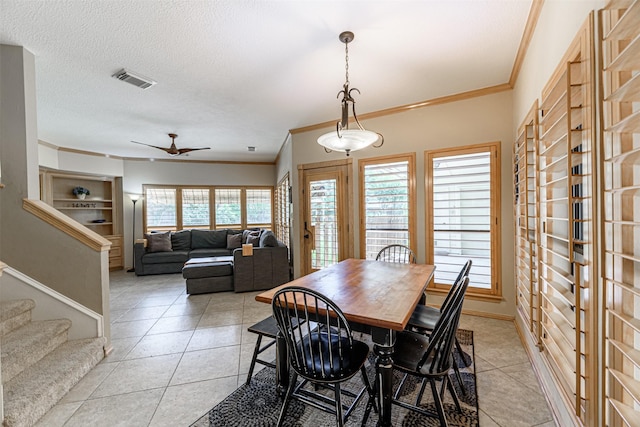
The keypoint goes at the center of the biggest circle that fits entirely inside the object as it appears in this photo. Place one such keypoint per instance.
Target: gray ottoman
(212, 275)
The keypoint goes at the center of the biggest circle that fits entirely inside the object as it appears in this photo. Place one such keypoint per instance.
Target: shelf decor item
(81, 192)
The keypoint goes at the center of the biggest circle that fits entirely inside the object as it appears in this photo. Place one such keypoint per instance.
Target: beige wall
(473, 121)
(557, 27)
(28, 244)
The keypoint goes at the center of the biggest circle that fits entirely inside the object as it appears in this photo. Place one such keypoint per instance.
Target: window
(161, 212)
(195, 208)
(170, 208)
(282, 210)
(228, 208)
(462, 215)
(387, 195)
(258, 207)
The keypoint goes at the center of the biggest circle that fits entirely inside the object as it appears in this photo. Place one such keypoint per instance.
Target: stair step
(30, 343)
(15, 314)
(29, 396)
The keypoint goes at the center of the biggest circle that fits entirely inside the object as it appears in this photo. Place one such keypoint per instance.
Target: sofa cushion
(234, 241)
(205, 239)
(210, 269)
(158, 242)
(210, 252)
(165, 257)
(268, 239)
(181, 240)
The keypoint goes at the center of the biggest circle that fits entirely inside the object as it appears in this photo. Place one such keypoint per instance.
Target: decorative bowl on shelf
(99, 221)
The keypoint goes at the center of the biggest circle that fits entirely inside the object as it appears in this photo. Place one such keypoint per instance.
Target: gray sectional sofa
(162, 253)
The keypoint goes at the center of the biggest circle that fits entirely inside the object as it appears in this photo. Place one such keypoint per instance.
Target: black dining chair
(424, 318)
(396, 253)
(429, 358)
(321, 350)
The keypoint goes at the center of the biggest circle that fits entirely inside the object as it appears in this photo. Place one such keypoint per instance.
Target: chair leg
(423, 386)
(367, 384)
(459, 350)
(253, 359)
(287, 399)
(438, 404)
(339, 419)
(371, 403)
(459, 378)
(454, 395)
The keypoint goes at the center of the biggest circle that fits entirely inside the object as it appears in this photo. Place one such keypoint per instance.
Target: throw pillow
(158, 242)
(181, 240)
(253, 238)
(234, 241)
(245, 233)
(268, 239)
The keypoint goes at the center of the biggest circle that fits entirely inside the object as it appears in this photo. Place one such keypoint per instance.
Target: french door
(325, 232)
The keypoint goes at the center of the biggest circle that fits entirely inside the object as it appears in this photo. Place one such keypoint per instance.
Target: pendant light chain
(346, 61)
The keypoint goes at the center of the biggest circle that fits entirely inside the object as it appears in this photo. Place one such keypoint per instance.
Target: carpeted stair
(39, 364)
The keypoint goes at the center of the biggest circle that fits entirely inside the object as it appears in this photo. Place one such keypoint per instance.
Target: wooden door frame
(348, 206)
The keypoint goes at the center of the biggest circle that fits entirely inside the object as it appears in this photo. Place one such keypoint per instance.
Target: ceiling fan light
(349, 140)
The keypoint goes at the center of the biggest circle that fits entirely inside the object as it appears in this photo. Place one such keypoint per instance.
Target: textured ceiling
(238, 73)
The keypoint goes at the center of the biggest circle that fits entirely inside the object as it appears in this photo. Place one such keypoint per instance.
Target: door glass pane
(386, 206)
(228, 208)
(160, 209)
(462, 217)
(195, 208)
(324, 220)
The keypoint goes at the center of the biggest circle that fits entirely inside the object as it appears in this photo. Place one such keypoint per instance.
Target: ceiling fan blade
(187, 150)
(152, 146)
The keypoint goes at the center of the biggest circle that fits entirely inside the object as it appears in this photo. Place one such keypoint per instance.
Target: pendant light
(344, 139)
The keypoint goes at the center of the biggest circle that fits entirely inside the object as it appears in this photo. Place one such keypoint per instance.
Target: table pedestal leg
(282, 365)
(383, 348)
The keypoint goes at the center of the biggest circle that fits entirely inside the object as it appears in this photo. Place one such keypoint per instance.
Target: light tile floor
(176, 356)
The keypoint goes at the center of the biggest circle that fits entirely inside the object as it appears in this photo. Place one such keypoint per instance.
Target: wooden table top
(369, 292)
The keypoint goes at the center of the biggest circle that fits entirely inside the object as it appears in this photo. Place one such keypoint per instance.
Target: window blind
(386, 206)
(462, 217)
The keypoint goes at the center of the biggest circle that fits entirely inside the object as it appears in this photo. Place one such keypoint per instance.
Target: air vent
(134, 78)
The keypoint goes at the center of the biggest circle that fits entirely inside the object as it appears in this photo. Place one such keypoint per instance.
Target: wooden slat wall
(565, 225)
(621, 211)
(525, 214)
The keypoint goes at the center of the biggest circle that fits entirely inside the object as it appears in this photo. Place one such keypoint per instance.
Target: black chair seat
(327, 363)
(267, 327)
(424, 318)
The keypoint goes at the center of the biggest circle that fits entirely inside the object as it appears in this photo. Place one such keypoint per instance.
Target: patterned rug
(258, 405)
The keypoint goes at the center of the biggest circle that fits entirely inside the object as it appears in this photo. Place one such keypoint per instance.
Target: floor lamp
(134, 199)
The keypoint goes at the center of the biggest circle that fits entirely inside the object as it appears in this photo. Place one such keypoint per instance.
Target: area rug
(258, 405)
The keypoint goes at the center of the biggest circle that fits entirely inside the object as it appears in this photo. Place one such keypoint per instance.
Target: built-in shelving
(621, 211)
(99, 210)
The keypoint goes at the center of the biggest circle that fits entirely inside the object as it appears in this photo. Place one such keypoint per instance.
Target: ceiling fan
(173, 150)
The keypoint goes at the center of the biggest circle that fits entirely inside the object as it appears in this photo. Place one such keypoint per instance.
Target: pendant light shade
(344, 139)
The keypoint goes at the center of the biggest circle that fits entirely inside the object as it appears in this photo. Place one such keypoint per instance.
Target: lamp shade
(134, 197)
(348, 140)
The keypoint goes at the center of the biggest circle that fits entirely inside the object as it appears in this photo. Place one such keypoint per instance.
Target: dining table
(377, 298)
